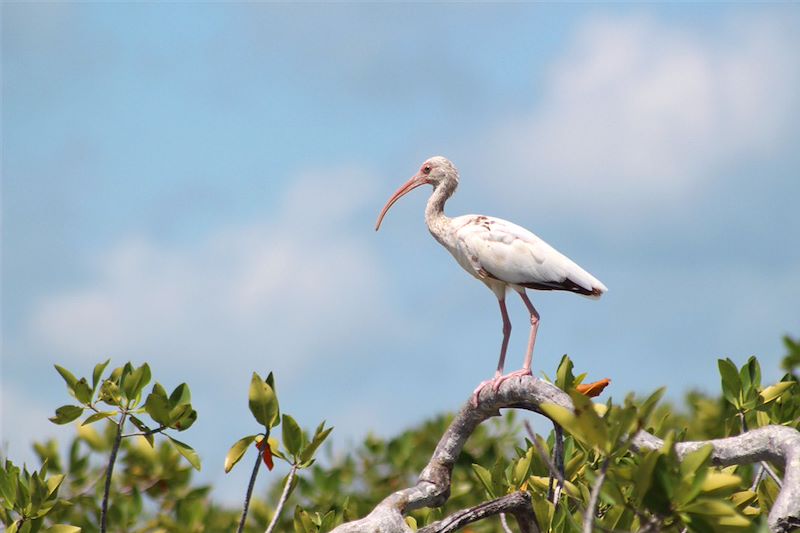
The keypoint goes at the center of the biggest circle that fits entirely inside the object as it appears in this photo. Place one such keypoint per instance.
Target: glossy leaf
(186, 451)
(98, 416)
(292, 435)
(69, 378)
(316, 441)
(731, 382)
(66, 414)
(237, 451)
(97, 373)
(262, 401)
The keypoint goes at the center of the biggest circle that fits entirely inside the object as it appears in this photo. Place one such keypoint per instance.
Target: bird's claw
(477, 392)
(517, 373)
(495, 383)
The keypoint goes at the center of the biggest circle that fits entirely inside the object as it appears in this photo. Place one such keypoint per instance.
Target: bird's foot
(495, 383)
(517, 373)
(477, 392)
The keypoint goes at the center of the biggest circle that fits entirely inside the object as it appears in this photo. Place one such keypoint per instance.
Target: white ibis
(500, 254)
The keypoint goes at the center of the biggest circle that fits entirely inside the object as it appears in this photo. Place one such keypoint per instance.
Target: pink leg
(534, 328)
(501, 363)
(526, 367)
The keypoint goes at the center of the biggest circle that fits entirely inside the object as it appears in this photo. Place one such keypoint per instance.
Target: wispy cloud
(638, 114)
(289, 283)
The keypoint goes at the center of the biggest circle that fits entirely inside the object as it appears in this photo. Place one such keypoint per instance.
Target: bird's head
(436, 171)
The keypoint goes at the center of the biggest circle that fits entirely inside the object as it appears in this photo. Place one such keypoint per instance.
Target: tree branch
(778, 444)
(517, 504)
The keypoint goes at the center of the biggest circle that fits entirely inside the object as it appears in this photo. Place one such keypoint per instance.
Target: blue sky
(195, 185)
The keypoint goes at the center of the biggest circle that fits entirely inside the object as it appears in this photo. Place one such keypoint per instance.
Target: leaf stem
(111, 460)
(249, 492)
(286, 489)
(145, 433)
(588, 518)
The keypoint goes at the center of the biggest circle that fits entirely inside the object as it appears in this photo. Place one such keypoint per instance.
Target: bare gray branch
(778, 444)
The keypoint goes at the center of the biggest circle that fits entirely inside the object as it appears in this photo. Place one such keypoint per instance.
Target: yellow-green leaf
(237, 451)
(186, 451)
(718, 481)
(774, 391)
(63, 528)
(262, 401)
(710, 507)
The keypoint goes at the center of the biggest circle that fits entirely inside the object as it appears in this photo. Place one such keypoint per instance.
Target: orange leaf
(593, 389)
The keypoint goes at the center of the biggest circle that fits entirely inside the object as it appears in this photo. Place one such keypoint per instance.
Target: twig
(757, 479)
(145, 433)
(763, 466)
(517, 503)
(554, 473)
(772, 474)
(284, 496)
(504, 523)
(249, 492)
(558, 452)
(110, 470)
(588, 518)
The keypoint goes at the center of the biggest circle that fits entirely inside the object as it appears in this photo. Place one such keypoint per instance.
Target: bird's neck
(435, 218)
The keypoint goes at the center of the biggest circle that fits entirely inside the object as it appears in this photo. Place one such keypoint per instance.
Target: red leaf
(267, 455)
(593, 389)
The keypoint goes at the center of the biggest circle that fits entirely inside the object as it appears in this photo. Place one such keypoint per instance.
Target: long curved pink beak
(408, 186)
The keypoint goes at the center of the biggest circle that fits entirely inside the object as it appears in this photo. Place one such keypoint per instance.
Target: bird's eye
(426, 169)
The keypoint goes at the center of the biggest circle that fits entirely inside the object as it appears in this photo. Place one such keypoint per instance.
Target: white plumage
(501, 254)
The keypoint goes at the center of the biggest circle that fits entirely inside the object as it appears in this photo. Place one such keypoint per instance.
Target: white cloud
(638, 113)
(290, 283)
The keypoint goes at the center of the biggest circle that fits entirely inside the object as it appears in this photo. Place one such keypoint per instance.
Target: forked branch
(778, 444)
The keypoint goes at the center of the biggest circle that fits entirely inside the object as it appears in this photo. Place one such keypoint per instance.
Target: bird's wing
(500, 249)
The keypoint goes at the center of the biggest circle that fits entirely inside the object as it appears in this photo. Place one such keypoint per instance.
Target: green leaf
(750, 374)
(110, 393)
(98, 416)
(63, 528)
(97, 373)
(157, 406)
(141, 426)
(186, 451)
(522, 467)
(650, 403)
(710, 507)
(720, 482)
(319, 437)
(53, 483)
(237, 451)
(69, 378)
(643, 475)
(564, 377)
(262, 401)
(185, 420)
(159, 390)
(774, 392)
(731, 382)
(83, 393)
(590, 423)
(292, 435)
(485, 477)
(134, 382)
(696, 459)
(180, 396)
(66, 414)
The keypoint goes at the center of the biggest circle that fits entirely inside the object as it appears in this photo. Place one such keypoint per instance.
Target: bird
(499, 253)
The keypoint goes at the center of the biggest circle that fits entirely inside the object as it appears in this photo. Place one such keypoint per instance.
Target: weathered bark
(772, 443)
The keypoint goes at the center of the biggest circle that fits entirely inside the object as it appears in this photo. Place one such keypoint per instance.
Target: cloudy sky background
(195, 185)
